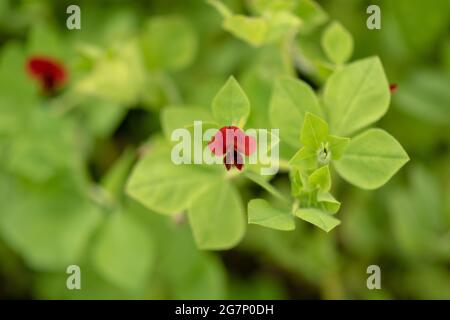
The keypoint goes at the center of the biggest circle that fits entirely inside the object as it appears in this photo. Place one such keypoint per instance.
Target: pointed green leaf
(217, 217)
(272, 6)
(280, 24)
(260, 212)
(337, 146)
(371, 159)
(329, 203)
(304, 159)
(250, 29)
(291, 99)
(321, 179)
(231, 106)
(311, 14)
(337, 43)
(253, 30)
(356, 96)
(318, 218)
(314, 131)
(123, 252)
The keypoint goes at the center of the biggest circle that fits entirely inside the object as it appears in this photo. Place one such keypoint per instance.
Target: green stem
(295, 206)
(284, 165)
(101, 197)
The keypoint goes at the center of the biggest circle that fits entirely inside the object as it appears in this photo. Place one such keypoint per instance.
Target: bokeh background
(64, 157)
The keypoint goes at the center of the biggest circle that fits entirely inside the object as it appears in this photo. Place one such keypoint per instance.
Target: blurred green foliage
(65, 159)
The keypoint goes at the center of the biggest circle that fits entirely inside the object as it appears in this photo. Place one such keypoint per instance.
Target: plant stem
(284, 165)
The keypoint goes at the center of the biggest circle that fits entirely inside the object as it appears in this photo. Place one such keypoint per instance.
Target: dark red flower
(393, 87)
(50, 73)
(231, 142)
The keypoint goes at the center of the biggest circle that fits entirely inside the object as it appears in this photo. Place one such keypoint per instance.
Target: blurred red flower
(50, 73)
(393, 87)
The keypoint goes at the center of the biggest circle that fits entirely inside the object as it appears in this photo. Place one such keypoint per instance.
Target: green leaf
(168, 42)
(318, 218)
(202, 275)
(328, 202)
(262, 6)
(250, 29)
(304, 159)
(114, 180)
(254, 30)
(124, 251)
(321, 179)
(165, 187)
(220, 7)
(291, 99)
(174, 117)
(311, 14)
(281, 24)
(231, 106)
(356, 96)
(260, 212)
(117, 76)
(217, 217)
(45, 146)
(337, 146)
(48, 224)
(314, 131)
(337, 43)
(371, 159)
